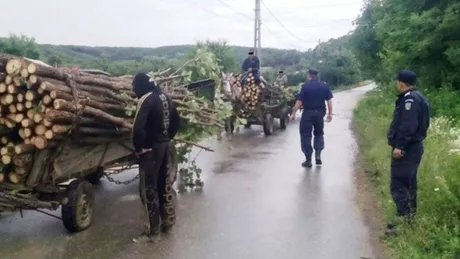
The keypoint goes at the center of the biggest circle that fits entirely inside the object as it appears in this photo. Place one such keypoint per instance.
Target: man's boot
(307, 162)
(147, 238)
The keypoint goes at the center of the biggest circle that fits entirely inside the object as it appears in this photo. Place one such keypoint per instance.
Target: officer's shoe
(307, 163)
(318, 160)
(391, 230)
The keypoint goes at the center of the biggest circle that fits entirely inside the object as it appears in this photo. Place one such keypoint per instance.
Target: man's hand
(292, 116)
(329, 118)
(397, 153)
(143, 151)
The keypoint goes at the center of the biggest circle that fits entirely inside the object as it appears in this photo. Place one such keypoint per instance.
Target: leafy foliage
(423, 36)
(202, 63)
(338, 68)
(20, 46)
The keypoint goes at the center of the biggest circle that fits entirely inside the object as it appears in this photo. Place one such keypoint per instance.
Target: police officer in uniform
(312, 97)
(155, 124)
(411, 119)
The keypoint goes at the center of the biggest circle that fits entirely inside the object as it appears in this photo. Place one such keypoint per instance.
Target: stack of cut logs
(250, 93)
(42, 105)
(253, 95)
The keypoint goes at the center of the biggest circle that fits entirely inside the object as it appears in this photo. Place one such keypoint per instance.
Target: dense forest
(334, 58)
(420, 35)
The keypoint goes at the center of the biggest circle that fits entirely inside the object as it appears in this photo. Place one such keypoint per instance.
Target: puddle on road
(251, 155)
(229, 165)
(130, 197)
(223, 167)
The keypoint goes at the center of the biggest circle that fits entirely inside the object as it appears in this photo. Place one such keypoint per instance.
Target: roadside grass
(436, 234)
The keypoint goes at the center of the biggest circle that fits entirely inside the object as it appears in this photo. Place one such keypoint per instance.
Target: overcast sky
(153, 23)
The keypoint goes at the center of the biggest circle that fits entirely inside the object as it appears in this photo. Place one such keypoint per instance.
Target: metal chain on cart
(119, 170)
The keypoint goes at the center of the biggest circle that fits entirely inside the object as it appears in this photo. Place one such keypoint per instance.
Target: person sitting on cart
(281, 79)
(155, 124)
(251, 64)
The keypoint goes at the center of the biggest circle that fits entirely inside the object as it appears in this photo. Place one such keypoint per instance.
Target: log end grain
(13, 66)
(32, 68)
(40, 142)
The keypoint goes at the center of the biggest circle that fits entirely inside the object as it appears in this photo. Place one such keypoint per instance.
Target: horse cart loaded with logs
(259, 104)
(60, 126)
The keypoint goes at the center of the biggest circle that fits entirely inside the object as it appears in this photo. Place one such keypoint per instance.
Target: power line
(252, 19)
(276, 37)
(209, 11)
(236, 11)
(282, 25)
(324, 24)
(322, 6)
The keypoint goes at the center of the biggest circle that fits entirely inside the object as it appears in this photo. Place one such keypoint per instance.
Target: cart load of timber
(58, 125)
(261, 104)
(290, 94)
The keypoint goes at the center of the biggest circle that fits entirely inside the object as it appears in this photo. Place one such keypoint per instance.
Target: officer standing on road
(411, 119)
(313, 96)
(155, 124)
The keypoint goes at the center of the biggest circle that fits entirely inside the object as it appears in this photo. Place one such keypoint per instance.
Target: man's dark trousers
(155, 188)
(312, 120)
(403, 184)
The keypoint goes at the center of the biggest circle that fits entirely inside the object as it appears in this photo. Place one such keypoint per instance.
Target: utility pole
(257, 25)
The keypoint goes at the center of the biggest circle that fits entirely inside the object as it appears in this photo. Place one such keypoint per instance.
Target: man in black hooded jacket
(155, 124)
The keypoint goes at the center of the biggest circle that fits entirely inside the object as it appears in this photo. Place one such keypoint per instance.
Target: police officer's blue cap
(313, 71)
(407, 77)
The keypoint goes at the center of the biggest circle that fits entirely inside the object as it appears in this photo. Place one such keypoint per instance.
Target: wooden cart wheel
(284, 120)
(95, 178)
(77, 213)
(268, 124)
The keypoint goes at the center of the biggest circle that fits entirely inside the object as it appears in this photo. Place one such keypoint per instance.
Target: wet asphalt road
(257, 202)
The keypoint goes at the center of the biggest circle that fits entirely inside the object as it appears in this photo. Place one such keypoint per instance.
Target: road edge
(368, 201)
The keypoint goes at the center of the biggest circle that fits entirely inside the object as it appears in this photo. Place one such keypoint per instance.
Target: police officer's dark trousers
(404, 180)
(312, 120)
(155, 188)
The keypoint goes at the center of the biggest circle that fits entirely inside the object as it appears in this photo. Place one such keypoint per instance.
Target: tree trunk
(54, 73)
(90, 102)
(60, 104)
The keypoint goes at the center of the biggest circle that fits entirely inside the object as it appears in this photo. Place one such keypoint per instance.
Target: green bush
(436, 234)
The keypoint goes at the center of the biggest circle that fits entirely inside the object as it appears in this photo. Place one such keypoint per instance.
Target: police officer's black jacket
(411, 119)
(149, 127)
(251, 62)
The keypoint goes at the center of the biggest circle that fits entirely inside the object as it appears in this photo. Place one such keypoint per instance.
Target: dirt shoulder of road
(368, 202)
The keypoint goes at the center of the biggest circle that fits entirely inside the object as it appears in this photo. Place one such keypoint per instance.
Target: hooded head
(142, 85)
